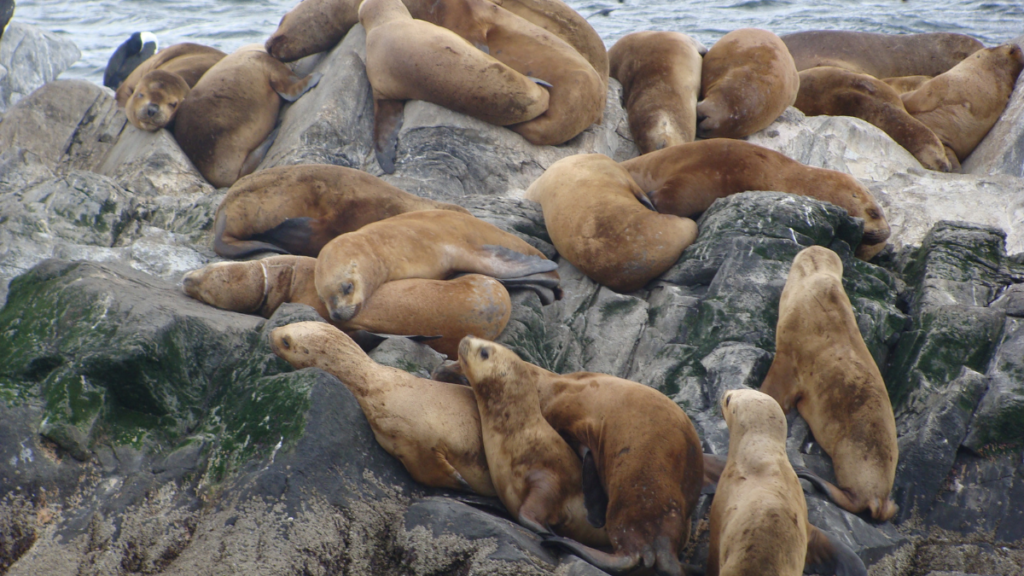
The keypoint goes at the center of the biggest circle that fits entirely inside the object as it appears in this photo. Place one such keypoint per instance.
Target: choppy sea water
(99, 26)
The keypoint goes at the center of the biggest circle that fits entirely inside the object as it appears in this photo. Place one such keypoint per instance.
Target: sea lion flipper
(230, 247)
(540, 82)
(507, 264)
(713, 467)
(594, 497)
(836, 494)
(611, 563)
(256, 156)
(292, 88)
(826, 555)
(450, 372)
(387, 121)
(292, 235)
(644, 199)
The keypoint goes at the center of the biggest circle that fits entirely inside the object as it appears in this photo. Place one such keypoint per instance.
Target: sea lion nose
(152, 110)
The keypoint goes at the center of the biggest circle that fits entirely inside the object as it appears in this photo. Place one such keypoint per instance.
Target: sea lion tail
(615, 564)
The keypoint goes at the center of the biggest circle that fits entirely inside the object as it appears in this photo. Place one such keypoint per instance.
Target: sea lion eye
(174, 104)
(485, 353)
(346, 288)
(286, 343)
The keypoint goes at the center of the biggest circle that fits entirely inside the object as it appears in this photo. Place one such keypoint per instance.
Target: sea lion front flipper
(291, 87)
(387, 121)
(450, 372)
(713, 467)
(826, 555)
(836, 494)
(450, 471)
(293, 235)
(540, 82)
(594, 497)
(954, 162)
(252, 161)
(612, 563)
(644, 199)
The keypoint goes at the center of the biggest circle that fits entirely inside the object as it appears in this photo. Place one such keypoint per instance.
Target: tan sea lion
(880, 55)
(963, 104)
(759, 515)
(410, 59)
(471, 304)
(660, 76)
(640, 485)
(299, 209)
(150, 95)
(747, 80)
(904, 84)
(685, 179)
(831, 91)
(596, 217)
(824, 369)
(577, 92)
(427, 244)
(433, 428)
(536, 474)
(224, 122)
(312, 26)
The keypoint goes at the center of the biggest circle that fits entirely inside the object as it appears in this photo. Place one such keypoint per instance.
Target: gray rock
(613, 323)
(999, 420)
(1002, 149)
(29, 58)
(732, 366)
(151, 164)
(982, 495)
(1011, 301)
(413, 357)
(871, 542)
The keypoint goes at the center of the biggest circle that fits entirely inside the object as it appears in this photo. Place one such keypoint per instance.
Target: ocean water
(99, 26)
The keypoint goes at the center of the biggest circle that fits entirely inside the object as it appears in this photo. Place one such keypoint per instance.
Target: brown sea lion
(433, 428)
(660, 76)
(904, 84)
(410, 59)
(150, 95)
(299, 209)
(312, 26)
(824, 369)
(831, 91)
(881, 55)
(685, 179)
(641, 486)
(536, 474)
(471, 304)
(596, 217)
(427, 244)
(963, 104)
(759, 515)
(224, 122)
(748, 79)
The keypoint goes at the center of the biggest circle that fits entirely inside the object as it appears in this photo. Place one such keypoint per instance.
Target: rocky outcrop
(141, 431)
(29, 58)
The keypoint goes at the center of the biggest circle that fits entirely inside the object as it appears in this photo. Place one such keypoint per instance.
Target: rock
(1002, 149)
(871, 542)
(29, 58)
(734, 365)
(982, 495)
(999, 420)
(152, 164)
(413, 357)
(1011, 301)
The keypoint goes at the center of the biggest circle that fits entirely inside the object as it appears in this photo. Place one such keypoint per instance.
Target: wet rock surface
(144, 432)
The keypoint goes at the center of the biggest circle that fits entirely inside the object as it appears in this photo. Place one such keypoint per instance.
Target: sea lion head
(346, 276)
(306, 344)
(753, 411)
(237, 286)
(495, 372)
(876, 228)
(155, 100)
(373, 13)
(815, 260)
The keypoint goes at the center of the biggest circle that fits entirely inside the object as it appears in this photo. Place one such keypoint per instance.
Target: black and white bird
(6, 11)
(127, 57)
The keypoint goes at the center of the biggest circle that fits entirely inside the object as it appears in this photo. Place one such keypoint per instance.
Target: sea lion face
(341, 288)
(296, 343)
(749, 410)
(155, 100)
(237, 286)
(481, 360)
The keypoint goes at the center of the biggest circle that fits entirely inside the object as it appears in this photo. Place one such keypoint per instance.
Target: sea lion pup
(660, 75)
(824, 369)
(963, 104)
(904, 84)
(576, 92)
(747, 80)
(299, 209)
(312, 26)
(687, 178)
(223, 123)
(151, 93)
(427, 244)
(536, 474)
(433, 428)
(759, 515)
(410, 59)
(132, 52)
(832, 91)
(450, 309)
(880, 55)
(596, 217)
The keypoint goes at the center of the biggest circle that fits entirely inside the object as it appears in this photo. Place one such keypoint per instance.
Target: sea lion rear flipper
(413, 337)
(450, 372)
(234, 248)
(594, 497)
(836, 494)
(507, 264)
(540, 82)
(826, 555)
(644, 199)
(612, 563)
(954, 162)
(252, 161)
(293, 235)
(387, 121)
(450, 471)
(292, 87)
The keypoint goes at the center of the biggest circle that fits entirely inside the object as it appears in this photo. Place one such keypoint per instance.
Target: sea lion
(576, 91)
(831, 91)
(223, 123)
(312, 26)
(685, 179)
(660, 76)
(880, 55)
(132, 52)
(596, 217)
(904, 84)
(824, 369)
(536, 474)
(963, 104)
(451, 309)
(426, 244)
(641, 487)
(747, 80)
(433, 428)
(410, 59)
(759, 514)
(299, 209)
(151, 93)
